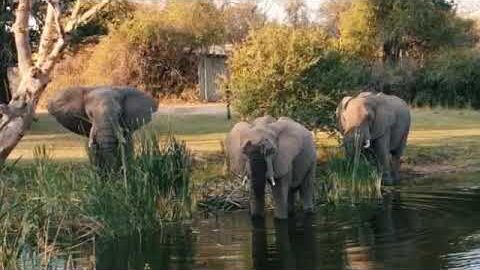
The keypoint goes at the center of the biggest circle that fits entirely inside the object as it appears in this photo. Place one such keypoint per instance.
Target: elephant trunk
(258, 172)
(104, 141)
(358, 140)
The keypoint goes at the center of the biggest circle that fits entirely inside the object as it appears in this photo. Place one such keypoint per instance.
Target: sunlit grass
(435, 133)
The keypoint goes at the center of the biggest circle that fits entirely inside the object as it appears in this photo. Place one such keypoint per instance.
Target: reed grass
(50, 210)
(349, 180)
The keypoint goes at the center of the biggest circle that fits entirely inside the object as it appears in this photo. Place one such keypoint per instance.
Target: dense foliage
(418, 50)
(7, 52)
(395, 29)
(154, 50)
(287, 71)
(451, 79)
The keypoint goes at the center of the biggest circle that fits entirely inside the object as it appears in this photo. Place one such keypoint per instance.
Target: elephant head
(107, 115)
(259, 146)
(362, 119)
(264, 152)
(250, 150)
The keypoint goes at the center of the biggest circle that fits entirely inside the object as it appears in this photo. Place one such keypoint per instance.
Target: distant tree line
(419, 50)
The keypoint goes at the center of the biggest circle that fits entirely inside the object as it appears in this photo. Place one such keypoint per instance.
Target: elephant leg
(395, 168)
(396, 155)
(280, 196)
(383, 158)
(291, 201)
(306, 190)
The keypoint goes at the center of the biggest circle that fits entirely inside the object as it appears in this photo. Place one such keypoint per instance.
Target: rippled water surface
(433, 225)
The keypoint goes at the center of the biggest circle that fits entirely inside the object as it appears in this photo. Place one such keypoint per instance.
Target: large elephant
(377, 121)
(281, 152)
(107, 115)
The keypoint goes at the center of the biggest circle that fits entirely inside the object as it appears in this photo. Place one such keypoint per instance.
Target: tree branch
(77, 20)
(48, 36)
(63, 34)
(22, 39)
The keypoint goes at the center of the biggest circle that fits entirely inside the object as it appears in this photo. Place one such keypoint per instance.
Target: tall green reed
(349, 179)
(53, 210)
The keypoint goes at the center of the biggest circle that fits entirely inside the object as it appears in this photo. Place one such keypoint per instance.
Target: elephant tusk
(272, 181)
(244, 180)
(367, 144)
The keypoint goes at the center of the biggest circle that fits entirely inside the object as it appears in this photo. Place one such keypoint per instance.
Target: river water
(432, 225)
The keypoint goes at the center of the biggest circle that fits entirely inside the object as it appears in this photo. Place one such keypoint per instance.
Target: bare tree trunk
(17, 116)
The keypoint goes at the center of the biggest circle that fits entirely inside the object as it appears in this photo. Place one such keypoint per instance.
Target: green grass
(50, 209)
(443, 119)
(437, 136)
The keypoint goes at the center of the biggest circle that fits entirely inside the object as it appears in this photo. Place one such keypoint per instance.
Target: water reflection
(291, 247)
(435, 226)
(172, 249)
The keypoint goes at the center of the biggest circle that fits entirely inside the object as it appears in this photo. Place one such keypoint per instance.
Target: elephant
(281, 152)
(107, 115)
(376, 121)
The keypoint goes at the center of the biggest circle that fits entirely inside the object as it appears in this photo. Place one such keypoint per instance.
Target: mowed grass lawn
(438, 136)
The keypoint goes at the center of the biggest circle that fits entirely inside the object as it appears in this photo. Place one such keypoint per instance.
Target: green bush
(154, 50)
(450, 79)
(285, 71)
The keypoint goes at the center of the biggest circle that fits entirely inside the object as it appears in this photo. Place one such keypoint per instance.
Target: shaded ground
(441, 140)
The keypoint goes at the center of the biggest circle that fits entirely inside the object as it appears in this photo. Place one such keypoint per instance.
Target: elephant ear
(68, 108)
(381, 116)
(235, 145)
(289, 144)
(338, 113)
(138, 108)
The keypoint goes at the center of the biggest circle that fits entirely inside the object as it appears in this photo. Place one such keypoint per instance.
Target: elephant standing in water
(377, 121)
(107, 115)
(281, 152)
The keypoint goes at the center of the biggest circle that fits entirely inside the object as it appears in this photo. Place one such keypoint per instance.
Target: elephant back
(69, 110)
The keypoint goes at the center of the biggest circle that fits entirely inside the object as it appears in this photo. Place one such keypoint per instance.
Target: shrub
(154, 50)
(450, 79)
(286, 71)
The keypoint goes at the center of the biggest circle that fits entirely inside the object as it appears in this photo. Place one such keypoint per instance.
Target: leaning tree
(34, 73)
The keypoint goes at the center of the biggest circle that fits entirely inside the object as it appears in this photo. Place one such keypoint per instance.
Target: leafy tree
(17, 115)
(302, 79)
(240, 18)
(330, 12)
(297, 13)
(358, 30)
(111, 17)
(397, 28)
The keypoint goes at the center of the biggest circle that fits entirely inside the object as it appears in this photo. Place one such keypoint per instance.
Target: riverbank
(441, 141)
(59, 194)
